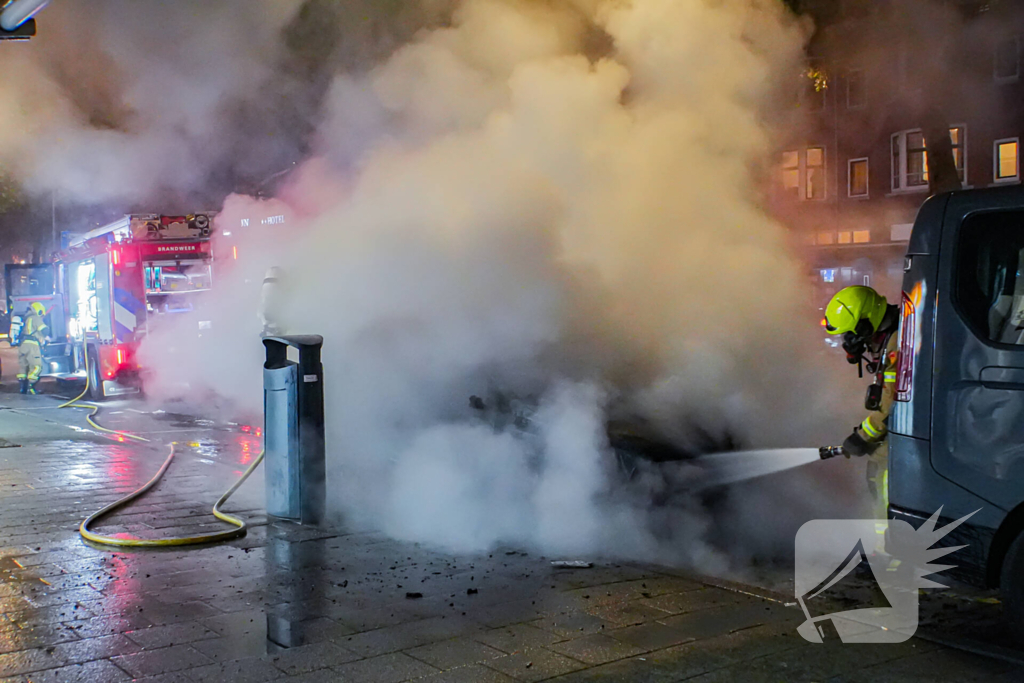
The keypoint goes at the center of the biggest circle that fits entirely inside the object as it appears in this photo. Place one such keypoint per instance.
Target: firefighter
(868, 324)
(30, 350)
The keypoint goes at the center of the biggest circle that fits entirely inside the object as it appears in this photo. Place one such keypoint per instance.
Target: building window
(958, 136)
(791, 173)
(803, 173)
(845, 237)
(855, 95)
(815, 173)
(1006, 166)
(857, 178)
(861, 236)
(1006, 60)
(910, 158)
(826, 237)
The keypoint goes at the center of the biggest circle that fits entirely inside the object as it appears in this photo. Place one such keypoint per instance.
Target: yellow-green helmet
(850, 305)
(38, 308)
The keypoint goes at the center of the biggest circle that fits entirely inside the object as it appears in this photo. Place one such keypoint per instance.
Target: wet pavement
(287, 603)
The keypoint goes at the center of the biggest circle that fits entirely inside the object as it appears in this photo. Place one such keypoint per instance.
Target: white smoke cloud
(542, 198)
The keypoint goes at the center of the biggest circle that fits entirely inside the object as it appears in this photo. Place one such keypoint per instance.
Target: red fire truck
(107, 290)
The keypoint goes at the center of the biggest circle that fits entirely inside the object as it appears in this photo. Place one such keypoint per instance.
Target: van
(957, 427)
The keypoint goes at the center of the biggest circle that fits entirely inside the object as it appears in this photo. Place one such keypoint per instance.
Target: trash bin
(293, 434)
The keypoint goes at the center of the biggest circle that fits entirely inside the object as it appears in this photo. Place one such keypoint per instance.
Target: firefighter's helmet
(850, 306)
(38, 308)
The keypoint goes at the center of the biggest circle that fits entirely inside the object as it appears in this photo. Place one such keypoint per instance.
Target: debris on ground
(572, 564)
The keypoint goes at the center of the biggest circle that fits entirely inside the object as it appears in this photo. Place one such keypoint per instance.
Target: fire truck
(108, 288)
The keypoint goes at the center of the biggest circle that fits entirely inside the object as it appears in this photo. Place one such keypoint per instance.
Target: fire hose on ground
(133, 542)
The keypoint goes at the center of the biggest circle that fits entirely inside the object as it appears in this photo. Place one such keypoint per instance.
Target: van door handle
(996, 377)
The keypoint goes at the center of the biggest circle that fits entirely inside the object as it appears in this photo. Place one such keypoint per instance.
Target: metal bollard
(293, 434)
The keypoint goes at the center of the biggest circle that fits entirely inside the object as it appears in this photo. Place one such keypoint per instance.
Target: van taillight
(905, 358)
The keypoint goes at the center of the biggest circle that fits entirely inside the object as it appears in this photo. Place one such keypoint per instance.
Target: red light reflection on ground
(248, 446)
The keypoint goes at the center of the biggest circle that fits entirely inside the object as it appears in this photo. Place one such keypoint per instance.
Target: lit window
(844, 237)
(847, 274)
(855, 95)
(828, 274)
(910, 158)
(858, 178)
(826, 237)
(1006, 60)
(1006, 162)
(861, 236)
(791, 173)
(815, 173)
(917, 160)
(803, 173)
(958, 136)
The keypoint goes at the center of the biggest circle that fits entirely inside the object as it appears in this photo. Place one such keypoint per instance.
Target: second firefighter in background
(30, 348)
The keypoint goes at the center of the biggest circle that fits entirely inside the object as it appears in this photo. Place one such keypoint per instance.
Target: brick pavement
(305, 606)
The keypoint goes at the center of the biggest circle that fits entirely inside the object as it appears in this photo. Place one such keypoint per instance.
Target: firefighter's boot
(32, 387)
(23, 386)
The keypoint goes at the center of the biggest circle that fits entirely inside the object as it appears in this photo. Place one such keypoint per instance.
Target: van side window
(990, 275)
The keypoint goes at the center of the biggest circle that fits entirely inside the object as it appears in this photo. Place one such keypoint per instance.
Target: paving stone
(25, 661)
(390, 668)
(595, 649)
(106, 626)
(174, 677)
(693, 600)
(535, 664)
(161, 613)
(650, 636)
(79, 651)
(573, 624)
(156, 637)
(100, 671)
(163, 660)
(319, 676)
(714, 622)
(230, 648)
(409, 635)
(474, 673)
(241, 671)
(449, 654)
(311, 657)
(625, 614)
(516, 637)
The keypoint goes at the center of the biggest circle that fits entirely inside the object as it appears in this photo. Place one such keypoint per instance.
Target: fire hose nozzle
(826, 452)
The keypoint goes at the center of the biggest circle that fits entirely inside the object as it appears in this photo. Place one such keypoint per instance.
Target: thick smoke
(551, 201)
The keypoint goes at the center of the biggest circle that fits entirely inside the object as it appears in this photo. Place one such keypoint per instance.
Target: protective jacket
(875, 426)
(34, 329)
(30, 358)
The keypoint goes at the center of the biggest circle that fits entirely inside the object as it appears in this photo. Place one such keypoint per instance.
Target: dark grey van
(957, 427)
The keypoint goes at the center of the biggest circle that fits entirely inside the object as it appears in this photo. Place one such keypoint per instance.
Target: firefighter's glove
(855, 346)
(857, 445)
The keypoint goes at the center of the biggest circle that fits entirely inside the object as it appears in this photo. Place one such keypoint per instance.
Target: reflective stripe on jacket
(35, 328)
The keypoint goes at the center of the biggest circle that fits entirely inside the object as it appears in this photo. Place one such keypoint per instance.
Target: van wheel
(1011, 588)
(96, 392)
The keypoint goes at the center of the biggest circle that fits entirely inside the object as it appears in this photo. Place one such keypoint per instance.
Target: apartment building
(852, 169)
